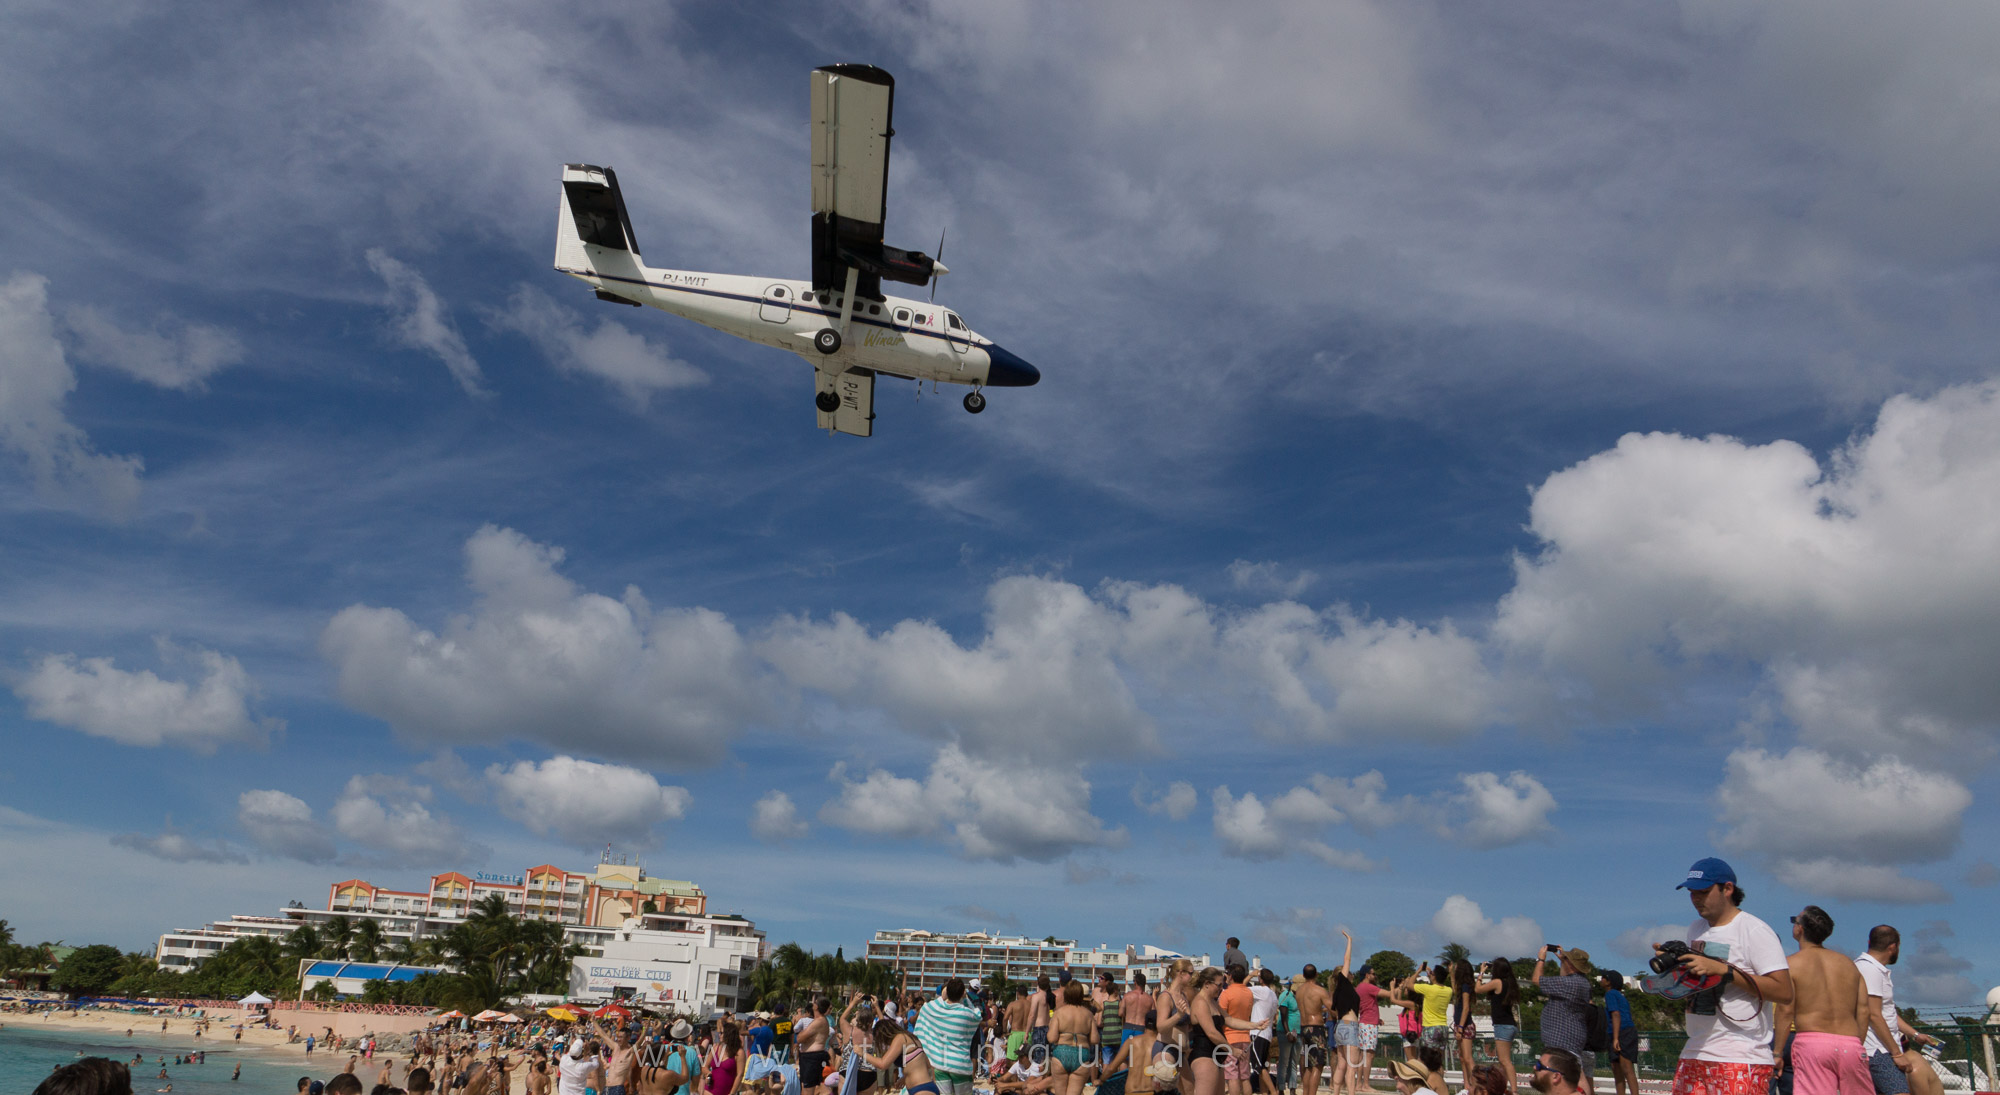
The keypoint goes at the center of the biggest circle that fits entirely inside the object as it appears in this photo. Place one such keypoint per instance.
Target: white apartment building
(698, 964)
(930, 957)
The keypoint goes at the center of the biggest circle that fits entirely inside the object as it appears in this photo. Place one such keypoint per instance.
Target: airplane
(839, 320)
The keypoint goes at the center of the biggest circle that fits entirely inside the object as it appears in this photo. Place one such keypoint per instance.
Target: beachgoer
(946, 1027)
(1896, 1071)
(1621, 1034)
(1073, 1030)
(1566, 1015)
(1557, 1072)
(1501, 984)
(1232, 955)
(1819, 1031)
(1728, 1050)
(1315, 1020)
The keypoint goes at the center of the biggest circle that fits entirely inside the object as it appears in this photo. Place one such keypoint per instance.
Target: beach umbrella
(508, 1018)
(613, 1009)
(255, 998)
(562, 1013)
(453, 1014)
(489, 1016)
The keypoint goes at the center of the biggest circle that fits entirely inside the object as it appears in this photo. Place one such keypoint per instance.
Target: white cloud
(998, 810)
(283, 825)
(141, 708)
(1292, 822)
(1177, 802)
(1831, 877)
(391, 819)
(775, 818)
(1460, 920)
(1332, 674)
(422, 322)
(583, 802)
(1836, 826)
(173, 354)
(1863, 587)
(179, 847)
(1293, 930)
(538, 659)
(35, 378)
(1270, 577)
(1493, 812)
(610, 351)
(1637, 943)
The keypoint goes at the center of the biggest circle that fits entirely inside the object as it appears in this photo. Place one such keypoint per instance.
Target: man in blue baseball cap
(1728, 1050)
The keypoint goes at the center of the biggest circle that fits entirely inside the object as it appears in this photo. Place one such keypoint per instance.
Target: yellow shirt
(1437, 1001)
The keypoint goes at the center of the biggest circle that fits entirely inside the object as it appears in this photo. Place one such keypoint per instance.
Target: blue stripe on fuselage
(885, 325)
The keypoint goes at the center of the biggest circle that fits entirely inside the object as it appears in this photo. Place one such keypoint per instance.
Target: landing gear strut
(827, 401)
(974, 402)
(827, 341)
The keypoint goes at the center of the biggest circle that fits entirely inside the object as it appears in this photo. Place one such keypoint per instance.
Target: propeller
(937, 266)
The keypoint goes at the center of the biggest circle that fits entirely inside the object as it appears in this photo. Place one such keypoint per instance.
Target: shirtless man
(1040, 1002)
(618, 1065)
(1017, 1025)
(1827, 1014)
(1313, 1001)
(811, 1036)
(666, 1068)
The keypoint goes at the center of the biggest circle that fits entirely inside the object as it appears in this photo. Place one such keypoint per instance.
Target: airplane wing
(855, 389)
(852, 108)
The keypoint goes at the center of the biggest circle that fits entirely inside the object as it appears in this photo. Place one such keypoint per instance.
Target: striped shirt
(945, 1031)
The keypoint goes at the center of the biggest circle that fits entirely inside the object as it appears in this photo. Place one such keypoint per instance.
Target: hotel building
(653, 925)
(930, 957)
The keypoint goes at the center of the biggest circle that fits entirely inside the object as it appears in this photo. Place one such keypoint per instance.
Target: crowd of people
(1758, 1022)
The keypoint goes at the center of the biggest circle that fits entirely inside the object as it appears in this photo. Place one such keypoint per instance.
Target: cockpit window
(953, 320)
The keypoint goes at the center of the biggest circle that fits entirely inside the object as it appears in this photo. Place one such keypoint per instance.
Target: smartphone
(1553, 947)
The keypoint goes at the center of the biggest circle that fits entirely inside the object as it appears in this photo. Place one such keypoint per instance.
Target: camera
(1669, 957)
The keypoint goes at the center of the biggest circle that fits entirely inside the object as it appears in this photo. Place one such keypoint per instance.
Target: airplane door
(776, 307)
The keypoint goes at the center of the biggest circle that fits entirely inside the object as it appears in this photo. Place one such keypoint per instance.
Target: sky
(1486, 459)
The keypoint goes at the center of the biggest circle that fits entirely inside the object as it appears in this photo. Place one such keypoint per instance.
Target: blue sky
(1485, 461)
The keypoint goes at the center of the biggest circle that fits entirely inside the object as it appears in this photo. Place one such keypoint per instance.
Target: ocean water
(29, 1051)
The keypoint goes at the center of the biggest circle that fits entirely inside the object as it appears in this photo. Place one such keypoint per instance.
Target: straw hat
(1413, 1071)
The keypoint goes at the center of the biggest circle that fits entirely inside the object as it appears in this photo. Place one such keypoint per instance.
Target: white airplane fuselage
(913, 339)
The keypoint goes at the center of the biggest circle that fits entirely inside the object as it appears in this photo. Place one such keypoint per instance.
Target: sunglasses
(1540, 1067)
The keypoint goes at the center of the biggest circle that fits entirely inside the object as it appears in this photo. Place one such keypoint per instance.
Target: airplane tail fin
(593, 232)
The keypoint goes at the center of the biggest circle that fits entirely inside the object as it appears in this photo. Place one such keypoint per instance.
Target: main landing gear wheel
(974, 402)
(827, 341)
(827, 401)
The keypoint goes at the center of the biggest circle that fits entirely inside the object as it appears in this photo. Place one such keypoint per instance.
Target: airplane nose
(1009, 370)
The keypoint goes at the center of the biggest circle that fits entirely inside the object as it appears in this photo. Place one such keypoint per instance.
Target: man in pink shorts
(1827, 1015)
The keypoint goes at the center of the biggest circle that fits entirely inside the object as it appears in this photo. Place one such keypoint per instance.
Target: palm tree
(367, 942)
(336, 937)
(1453, 952)
(304, 942)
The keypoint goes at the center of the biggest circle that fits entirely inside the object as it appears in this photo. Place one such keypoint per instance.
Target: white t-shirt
(1031, 1071)
(1263, 1007)
(1881, 983)
(1740, 1029)
(573, 1070)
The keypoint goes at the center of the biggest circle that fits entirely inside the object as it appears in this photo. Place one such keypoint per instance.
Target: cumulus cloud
(1252, 829)
(998, 810)
(1292, 930)
(609, 351)
(1493, 812)
(584, 802)
(392, 821)
(173, 353)
(142, 708)
(1460, 920)
(422, 322)
(1864, 586)
(774, 818)
(1838, 828)
(540, 660)
(1176, 802)
(35, 379)
(179, 847)
(283, 825)
(1637, 943)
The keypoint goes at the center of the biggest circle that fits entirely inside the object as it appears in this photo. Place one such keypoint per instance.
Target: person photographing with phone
(1566, 1014)
(1729, 1027)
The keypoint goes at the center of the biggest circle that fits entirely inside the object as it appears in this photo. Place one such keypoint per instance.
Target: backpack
(1596, 1030)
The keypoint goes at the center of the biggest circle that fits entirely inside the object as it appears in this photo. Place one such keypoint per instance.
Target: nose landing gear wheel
(827, 341)
(974, 402)
(827, 401)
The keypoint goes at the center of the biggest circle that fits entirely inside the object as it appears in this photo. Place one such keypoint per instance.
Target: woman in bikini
(1349, 1045)
(1127, 1071)
(1464, 990)
(1206, 1026)
(1171, 1009)
(896, 1047)
(1073, 1028)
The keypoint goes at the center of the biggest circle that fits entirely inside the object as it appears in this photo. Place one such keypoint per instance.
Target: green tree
(88, 971)
(1391, 966)
(336, 937)
(367, 943)
(303, 943)
(1453, 952)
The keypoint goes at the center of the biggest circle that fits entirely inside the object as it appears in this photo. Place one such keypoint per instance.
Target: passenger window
(778, 293)
(874, 309)
(806, 296)
(902, 315)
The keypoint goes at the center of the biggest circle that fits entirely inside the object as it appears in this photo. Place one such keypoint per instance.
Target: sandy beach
(221, 1026)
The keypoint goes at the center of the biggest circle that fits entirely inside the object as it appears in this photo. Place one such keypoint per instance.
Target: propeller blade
(937, 265)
